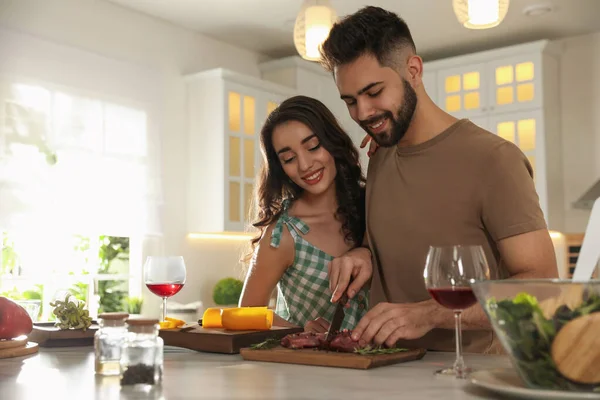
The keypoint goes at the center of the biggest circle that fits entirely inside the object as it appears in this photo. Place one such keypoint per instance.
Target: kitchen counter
(68, 373)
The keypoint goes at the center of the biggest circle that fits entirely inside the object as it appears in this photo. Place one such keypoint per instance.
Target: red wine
(454, 298)
(164, 289)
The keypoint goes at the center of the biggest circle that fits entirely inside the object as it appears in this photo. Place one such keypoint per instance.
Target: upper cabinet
(496, 81)
(462, 90)
(226, 113)
(515, 83)
(512, 92)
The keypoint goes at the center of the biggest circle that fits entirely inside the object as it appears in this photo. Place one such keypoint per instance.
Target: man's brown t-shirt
(464, 186)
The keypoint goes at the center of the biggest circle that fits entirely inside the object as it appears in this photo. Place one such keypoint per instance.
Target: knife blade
(338, 317)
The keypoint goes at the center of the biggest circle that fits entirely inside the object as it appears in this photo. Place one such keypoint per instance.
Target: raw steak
(304, 340)
(341, 342)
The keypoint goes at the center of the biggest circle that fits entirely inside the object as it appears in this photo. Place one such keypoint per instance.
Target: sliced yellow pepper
(166, 324)
(171, 323)
(212, 318)
(177, 322)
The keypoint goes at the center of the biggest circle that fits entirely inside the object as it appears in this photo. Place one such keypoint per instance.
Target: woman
(310, 200)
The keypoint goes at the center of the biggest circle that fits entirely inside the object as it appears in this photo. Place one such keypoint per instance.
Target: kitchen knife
(338, 317)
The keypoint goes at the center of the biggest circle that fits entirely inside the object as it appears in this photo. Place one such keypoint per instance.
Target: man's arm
(528, 255)
(513, 218)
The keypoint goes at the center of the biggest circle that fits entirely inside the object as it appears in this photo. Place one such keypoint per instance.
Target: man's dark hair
(370, 30)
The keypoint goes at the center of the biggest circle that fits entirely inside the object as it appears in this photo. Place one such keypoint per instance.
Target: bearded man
(434, 180)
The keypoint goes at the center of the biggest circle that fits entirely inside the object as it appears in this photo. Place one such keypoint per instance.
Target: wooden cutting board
(330, 358)
(48, 335)
(27, 349)
(215, 340)
(12, 343)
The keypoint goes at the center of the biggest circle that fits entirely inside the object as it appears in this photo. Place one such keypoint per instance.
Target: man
(434, 180)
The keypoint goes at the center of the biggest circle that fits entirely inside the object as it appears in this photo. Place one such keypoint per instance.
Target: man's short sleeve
(510, 204)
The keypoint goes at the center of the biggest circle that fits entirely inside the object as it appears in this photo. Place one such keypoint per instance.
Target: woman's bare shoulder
(267, 249)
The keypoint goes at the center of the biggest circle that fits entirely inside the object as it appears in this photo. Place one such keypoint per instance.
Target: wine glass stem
(459, 364)
(164, 309)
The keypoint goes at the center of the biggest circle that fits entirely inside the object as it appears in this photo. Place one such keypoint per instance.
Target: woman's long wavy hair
(274, 186)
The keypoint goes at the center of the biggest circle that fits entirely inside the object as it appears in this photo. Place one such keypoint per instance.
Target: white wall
(580, 120)
(111, 31)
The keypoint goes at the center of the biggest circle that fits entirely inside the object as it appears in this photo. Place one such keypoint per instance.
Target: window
(43, 267)
(78, 192)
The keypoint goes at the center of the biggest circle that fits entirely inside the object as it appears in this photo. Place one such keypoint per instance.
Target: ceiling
(266, 26)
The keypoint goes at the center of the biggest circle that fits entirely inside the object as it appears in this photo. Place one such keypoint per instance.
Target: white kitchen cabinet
(515, 83)
(494, 81)
(226, 113)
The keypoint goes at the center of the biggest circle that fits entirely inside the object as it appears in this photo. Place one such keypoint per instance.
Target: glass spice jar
(142, 353)
(108, 341)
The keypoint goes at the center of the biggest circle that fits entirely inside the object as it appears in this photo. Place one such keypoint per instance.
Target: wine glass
(164, 276)
(449, 272)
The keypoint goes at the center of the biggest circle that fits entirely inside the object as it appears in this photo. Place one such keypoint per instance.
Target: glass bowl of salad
(539, 323)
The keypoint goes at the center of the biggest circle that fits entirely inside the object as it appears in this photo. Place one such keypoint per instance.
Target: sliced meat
(343, 342)
(303, 340)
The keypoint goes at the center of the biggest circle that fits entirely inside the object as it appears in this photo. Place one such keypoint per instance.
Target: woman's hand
(372, 147)
(355, 265)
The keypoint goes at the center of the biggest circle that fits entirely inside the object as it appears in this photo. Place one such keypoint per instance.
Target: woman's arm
(266, 269)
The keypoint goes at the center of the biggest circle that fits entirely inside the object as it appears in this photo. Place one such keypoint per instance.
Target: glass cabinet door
(462, 90)
(247, 111)
(242, 139)
(515, 84)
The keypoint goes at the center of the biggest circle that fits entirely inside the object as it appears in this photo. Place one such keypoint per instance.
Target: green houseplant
(227, 291)
(132, 305)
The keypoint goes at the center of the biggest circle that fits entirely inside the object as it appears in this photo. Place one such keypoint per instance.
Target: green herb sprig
(374, 350)
(71, 314)
(267, 344)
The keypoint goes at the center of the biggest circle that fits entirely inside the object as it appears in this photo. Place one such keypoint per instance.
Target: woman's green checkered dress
(303, 290)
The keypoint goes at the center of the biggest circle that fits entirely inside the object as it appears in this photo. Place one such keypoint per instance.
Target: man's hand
(372, 147)
(318, 325)
(355, 264)
(388, 322)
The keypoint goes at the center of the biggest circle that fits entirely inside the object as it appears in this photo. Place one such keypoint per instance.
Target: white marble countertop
(68, 373)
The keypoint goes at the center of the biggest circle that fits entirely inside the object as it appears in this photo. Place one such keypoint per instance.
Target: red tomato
(14, 320)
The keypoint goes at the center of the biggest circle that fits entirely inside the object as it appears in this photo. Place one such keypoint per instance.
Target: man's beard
(399, 124)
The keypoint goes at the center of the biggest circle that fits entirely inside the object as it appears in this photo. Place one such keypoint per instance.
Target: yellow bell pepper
(238, 318)
(177, 322)
(247, 318)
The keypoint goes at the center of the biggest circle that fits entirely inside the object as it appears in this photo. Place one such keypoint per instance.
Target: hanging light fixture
(480, 14)
(313, 23)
